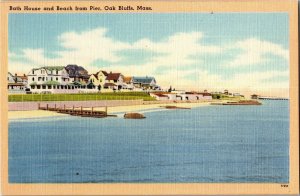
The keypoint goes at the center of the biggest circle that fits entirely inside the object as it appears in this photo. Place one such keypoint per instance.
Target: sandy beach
(111, 110)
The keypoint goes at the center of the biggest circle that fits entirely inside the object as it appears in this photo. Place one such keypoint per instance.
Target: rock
(134, 116)
(174, 107)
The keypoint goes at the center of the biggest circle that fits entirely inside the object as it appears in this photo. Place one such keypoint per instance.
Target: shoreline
(32, 114)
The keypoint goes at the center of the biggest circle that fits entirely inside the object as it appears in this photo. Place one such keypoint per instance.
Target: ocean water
(205, 144)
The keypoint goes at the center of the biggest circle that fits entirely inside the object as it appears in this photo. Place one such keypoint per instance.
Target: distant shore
(13, 115)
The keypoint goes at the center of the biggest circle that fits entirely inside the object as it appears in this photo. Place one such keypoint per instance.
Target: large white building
(53, 80)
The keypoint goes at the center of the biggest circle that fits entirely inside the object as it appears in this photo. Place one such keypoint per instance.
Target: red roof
(16, 84)
(195, 93)
(109, 84)
(160, 95)
(96, 75)
(23, 77)
(113, 76)
(104, 72)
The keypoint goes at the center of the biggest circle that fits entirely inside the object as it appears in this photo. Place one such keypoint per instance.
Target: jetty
(273, 98)
(243, 102)
(77, 111)
(240, 102)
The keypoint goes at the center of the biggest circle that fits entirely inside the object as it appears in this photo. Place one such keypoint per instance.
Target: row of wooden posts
(81, 112)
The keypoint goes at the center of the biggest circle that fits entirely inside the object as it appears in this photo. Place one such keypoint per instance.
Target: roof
(196, 93)
(113, 76)
(22, 77)
(104, 72)
(51, 68)
(127, 79)
(16, 84)
(109, 84)
(160, 95)
(205, 94)
(95, 75)
(143, 80)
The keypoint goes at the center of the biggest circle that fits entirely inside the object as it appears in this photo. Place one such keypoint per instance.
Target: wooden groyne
(77, 111)
(272, 98)
(240, 102)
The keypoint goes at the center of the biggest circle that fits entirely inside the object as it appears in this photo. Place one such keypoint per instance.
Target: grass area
(81, 97)
(226, 97)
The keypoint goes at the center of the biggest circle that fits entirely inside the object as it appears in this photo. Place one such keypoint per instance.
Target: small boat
(134, 116)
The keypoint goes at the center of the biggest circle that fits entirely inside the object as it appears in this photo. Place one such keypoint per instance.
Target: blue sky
(239, 51)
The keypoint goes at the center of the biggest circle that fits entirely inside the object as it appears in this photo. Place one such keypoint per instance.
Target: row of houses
(192, 96)
(75, 79)
(180, 96)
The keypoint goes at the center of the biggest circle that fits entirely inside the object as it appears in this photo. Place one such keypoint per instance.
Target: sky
(241, 52)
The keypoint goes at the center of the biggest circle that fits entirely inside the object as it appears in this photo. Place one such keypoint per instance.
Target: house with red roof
(107, 80)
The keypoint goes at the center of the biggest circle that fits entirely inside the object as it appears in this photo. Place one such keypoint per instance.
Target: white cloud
(253, 52)
(172, 53)
(178, 49)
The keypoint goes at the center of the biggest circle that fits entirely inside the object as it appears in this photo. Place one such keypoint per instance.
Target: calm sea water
(205, 144)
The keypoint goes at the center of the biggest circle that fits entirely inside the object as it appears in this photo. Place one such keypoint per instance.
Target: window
(33, 79)
(56, 78)
(51, 79)
(33, 87)
(32, 71)
(56, 71)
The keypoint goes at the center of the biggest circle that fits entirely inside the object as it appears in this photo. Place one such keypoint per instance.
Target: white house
(188, 96)
(16, 84)
(52, 80)
(114, 81)
(145, 83)
(98, 78)
(10, 78)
